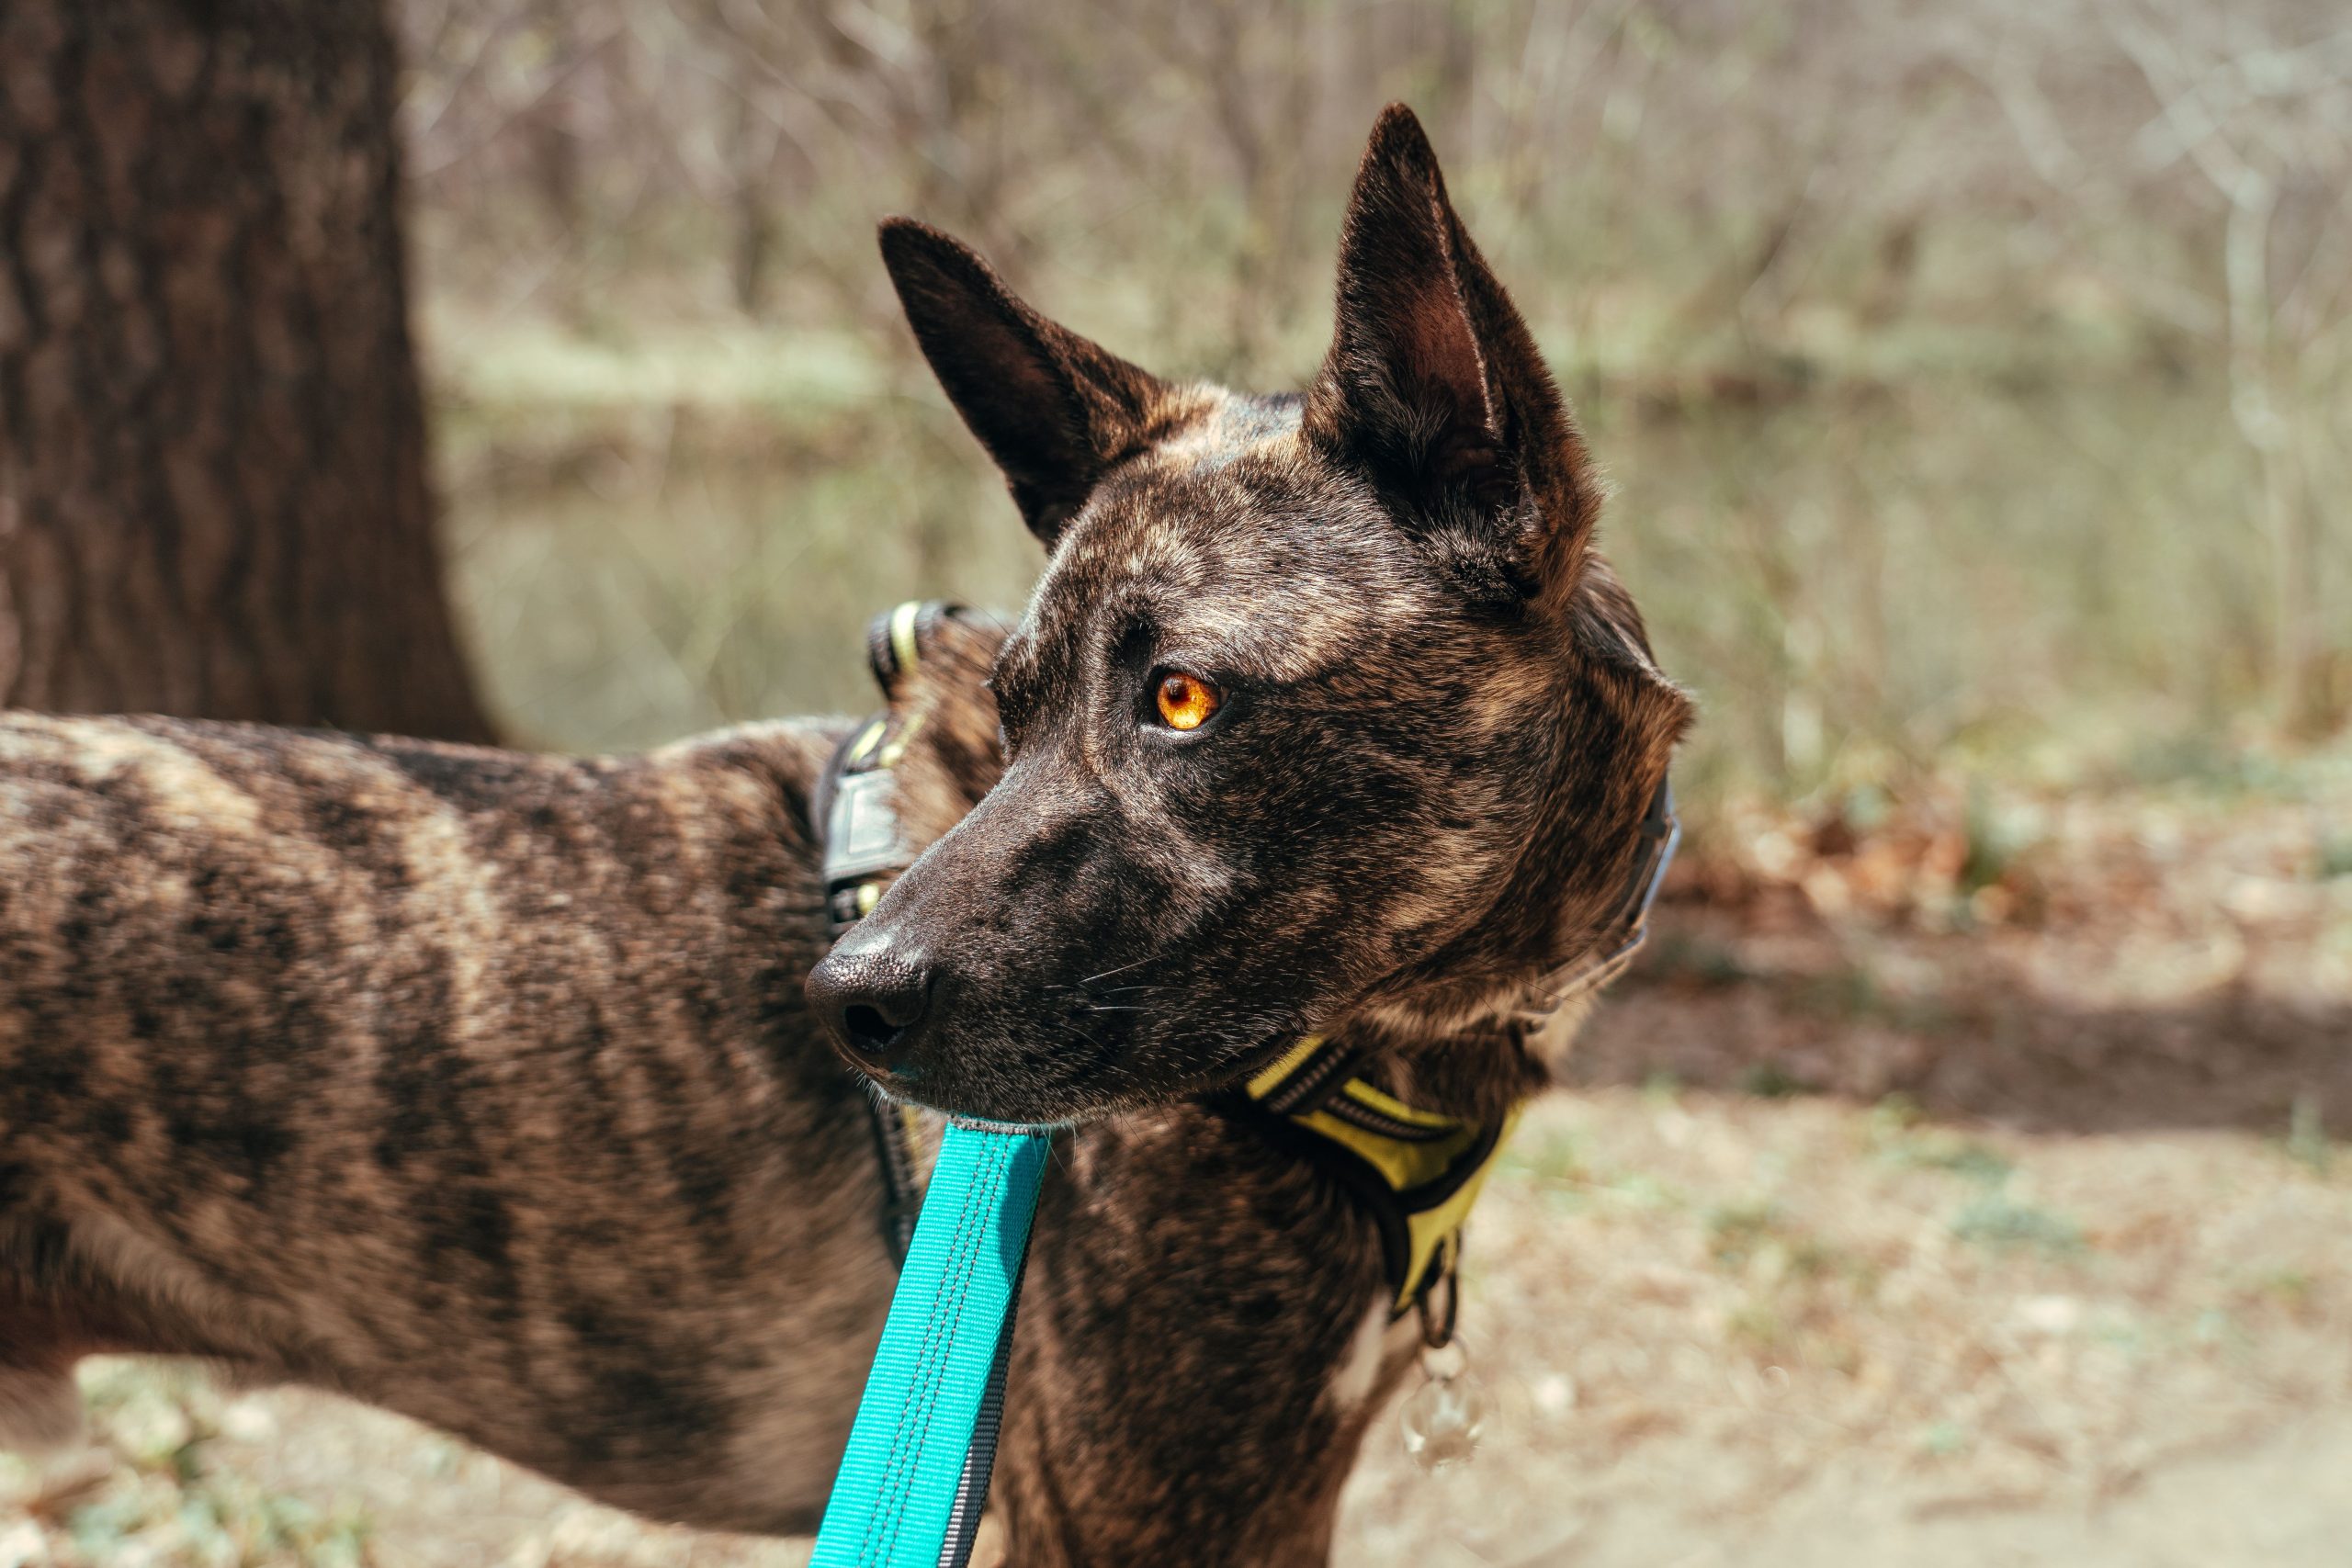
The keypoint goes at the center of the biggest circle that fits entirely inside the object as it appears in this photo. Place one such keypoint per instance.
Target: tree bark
(213, 497)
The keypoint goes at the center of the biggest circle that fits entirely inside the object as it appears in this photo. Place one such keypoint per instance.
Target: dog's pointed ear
(1434, 385)
(1053, 409)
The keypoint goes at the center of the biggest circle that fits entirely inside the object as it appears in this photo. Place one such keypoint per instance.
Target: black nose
(871, 997)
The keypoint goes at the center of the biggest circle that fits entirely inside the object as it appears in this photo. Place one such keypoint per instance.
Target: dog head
(1324, 708)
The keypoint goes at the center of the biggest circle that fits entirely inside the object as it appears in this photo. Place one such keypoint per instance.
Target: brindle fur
(481, 1085)
(476, 1085)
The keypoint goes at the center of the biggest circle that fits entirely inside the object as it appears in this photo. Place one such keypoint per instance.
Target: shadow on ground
(1971, 1032)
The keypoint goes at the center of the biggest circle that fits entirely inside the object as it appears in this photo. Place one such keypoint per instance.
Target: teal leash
(915, 1476)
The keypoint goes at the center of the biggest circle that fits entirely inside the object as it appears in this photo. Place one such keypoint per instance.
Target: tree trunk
(213, 497)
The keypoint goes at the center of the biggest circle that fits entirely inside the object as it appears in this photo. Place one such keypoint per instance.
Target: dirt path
(1713, 1329)
(2280, 1502)
(1806, 1332)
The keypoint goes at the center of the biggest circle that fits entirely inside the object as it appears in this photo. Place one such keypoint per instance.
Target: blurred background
(1977, 379)
(1958, 1181)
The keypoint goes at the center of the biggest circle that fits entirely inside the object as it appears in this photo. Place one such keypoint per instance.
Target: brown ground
(1952, 1189)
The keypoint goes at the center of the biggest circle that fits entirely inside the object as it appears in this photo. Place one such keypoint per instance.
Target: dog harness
(863, 851)
(915, 1479)
(1419, 1171)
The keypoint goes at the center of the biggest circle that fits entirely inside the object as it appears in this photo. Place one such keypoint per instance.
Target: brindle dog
(482, 1086)
(1325, 714)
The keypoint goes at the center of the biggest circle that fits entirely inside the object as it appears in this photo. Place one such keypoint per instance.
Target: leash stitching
(935, 1350)
(887, 1486)
(929, 1371)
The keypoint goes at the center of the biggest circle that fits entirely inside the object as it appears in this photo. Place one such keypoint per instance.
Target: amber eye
(1186, 700)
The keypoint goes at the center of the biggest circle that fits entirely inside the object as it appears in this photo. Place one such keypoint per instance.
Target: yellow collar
(1419, 1171)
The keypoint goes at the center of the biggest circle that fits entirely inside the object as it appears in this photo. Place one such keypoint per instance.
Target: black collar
(1629, 926)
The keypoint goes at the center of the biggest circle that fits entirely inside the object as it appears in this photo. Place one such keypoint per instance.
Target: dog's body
(476, 1085)
(482, 1086)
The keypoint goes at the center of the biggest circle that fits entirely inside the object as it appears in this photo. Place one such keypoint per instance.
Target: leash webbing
(915, 1477)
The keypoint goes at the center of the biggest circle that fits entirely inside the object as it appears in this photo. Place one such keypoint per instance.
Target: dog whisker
(1103, 990)
(1120, 969)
